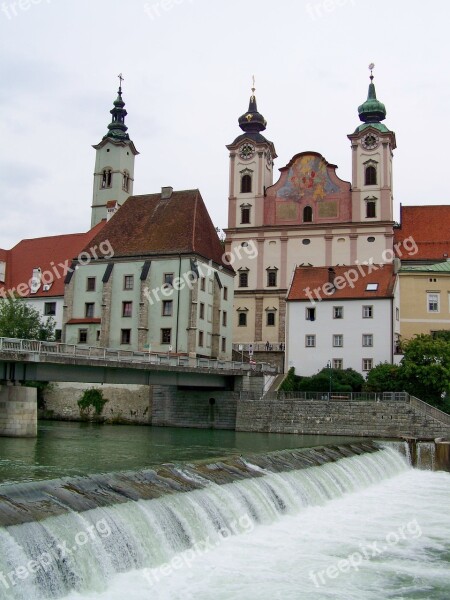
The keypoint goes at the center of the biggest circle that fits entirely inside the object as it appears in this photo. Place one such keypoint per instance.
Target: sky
(188, 67)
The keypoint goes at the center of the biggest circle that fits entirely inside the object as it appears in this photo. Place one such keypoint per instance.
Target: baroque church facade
(308, 217)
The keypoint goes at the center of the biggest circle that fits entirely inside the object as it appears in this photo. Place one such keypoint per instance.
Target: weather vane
(253, 88)
(371, 67)
(120, 76)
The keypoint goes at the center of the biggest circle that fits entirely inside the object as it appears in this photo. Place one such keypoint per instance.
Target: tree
(425, 369)
(342, 380)
(20, 320)
(385, 377)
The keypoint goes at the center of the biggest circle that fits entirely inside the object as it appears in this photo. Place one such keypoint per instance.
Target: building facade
(342, 317)
(309, 216)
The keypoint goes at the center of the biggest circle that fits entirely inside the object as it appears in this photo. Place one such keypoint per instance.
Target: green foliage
(91, 401)
(385, 378)
(20, 320)
(342, 380)
(425, 369)
(290, 382)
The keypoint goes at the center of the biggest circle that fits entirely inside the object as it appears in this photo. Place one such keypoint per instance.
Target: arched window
(246, 184)
(106, 179)
(371, 175)
(307, 214)
(126, 181)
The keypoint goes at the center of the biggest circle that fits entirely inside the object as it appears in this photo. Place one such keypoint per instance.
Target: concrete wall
(372, 419)
(126, 403)
(18, 411)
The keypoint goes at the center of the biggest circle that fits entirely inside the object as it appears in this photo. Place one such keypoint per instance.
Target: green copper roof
(372, 110)
(117, 130)
(443, 267)
(380, 126)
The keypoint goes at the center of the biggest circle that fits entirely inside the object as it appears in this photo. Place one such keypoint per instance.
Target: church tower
(372, 153)
(251, 169)
(114, 165)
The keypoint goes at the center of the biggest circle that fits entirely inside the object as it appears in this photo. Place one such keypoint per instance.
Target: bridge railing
(329, 397)
(43, 348)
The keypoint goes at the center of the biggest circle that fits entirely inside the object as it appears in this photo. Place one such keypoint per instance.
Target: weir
(75, 533)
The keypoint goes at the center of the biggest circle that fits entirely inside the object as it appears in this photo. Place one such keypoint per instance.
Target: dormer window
(106, 179)
(307, 214)
(370, 175)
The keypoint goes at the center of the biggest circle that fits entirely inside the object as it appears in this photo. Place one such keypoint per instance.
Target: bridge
(32, 360)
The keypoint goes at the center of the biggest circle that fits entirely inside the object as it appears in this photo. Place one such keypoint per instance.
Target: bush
(91, 400)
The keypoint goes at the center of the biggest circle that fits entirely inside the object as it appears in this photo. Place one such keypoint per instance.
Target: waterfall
(186, 508)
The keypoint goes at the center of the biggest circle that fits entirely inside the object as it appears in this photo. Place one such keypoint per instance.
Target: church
(308, 217)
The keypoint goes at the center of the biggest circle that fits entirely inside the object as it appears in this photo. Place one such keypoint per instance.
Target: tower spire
(117, 130)
(372, 110)
(252, 120)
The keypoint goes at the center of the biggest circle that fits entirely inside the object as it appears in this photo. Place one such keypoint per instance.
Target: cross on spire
(253, 88)
(121, 78)
(371, 67)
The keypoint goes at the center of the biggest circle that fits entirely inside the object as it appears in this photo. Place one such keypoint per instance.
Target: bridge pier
(18, 411)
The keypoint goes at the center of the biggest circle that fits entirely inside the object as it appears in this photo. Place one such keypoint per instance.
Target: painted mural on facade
(308, 178)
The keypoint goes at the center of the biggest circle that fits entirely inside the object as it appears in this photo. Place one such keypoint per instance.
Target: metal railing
(429, 411)
(49, 349)
(260, 347)
(327, 397)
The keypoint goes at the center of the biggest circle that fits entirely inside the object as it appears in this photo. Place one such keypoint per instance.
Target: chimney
(166, 192)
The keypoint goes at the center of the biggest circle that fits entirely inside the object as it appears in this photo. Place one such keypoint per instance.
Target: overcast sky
(187, 66)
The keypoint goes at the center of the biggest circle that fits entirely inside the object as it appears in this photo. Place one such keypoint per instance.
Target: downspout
(178, 304)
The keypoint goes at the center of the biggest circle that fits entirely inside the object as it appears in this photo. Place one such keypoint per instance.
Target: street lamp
(330, 373)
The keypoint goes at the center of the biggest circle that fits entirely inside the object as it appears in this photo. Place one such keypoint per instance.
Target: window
(125, 181)
(50, 309)
(338, 340)
(90, 284)
(202, 311)
(125, 336)
(98, 335)
(371, 239)
(338, 312)
(166, 336)
(270, 319)
(370, 176)
(367, 340)
(246, 184)
(168, 279)
(89, 309)
(433, 302)
(224, 344)
(243, 279)
(397, 313)
(371, 209)
(271, 278)
(127, 311)
(310, 341)
(338, 363)
(242, 319)
(306, 242)
(307, 214)
(225, 293)
(245, 215)
(200, 338)
(367, 312)
(58, 335)
(106, 181)
(167, 308)
(367, 364)
(310, 314)
(203, 284)
(224, 318)
(128, 282)
(82, 336)
(371, 287)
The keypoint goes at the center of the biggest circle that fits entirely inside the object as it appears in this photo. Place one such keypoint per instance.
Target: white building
(347, 316)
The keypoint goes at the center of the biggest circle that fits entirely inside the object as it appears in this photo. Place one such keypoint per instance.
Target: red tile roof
(150, 225)
(53, 255)
(351, 283)
(429, 227)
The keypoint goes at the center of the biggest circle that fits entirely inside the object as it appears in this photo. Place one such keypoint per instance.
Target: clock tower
(372, 153)
(114, 165)
(251, 170)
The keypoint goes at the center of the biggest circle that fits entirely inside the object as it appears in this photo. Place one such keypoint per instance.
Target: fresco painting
(308, 178)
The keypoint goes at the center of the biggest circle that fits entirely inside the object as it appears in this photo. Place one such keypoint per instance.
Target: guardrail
(260, 347)
(429, 411)
(329, 397)
(93, 353)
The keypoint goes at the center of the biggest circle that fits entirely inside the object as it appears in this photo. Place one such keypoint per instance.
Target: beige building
(308, 217)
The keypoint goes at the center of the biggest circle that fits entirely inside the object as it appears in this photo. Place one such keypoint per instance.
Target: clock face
(247, 151)
(370, 141)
